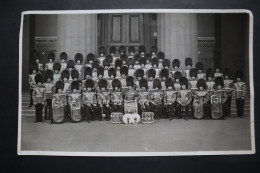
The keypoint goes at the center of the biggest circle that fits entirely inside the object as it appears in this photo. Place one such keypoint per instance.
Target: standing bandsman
(193, 80)
(199, 67)
(31, 80)
(153, 51)
(130, 62)
(239, 93)
(89, 60)
(38, 97)
(218, 71)
(78, 64)
(177, 76)
(70, 67)
(116, 97)
(164, 75)
(118, 65)
(49, 90)
(210, 84)
(124, 74)
(151, 75)
(175, 66)
(170, 98)
(102, 54)
(130, 95)
(124, 58)
(56, 70)
(89, 100)
(148, 58)
(131, 51)
(160, 56)
(156, 99)
(51, 57)
(139, 74)
(143, 97)
(65, 74)
(112, 76)
(155, 63)
(37, 59)
(63, 58)
(137, 61)
(183, 100)
(122, 50)
(112, 52)
(103, 98)
(166, 63)
(141, 51)
(188, 64)
(228, 86)
(106, 65)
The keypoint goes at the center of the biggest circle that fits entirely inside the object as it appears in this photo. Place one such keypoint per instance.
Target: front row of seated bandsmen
(97, 97)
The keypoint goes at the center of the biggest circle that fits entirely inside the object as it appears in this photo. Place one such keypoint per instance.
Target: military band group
(131, 81)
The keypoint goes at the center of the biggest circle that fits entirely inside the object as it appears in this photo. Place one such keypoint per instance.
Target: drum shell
(147, 117)
(116, 118)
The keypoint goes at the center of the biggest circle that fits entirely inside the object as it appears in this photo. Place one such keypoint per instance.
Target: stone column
(177, 36)
(77, 33)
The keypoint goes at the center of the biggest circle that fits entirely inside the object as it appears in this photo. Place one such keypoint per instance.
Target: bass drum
(147, 117)
(131, 118)
(116, 118)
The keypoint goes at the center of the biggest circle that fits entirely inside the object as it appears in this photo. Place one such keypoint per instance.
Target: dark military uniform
(49, 90)
(156, 101)
(169, 98)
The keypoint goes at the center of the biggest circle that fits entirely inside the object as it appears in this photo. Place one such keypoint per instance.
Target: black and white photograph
(136, 83)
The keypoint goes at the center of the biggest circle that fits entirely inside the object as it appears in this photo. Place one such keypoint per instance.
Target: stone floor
(162, 136)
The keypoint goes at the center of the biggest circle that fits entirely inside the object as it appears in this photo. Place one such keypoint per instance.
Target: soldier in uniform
(139, 74)
(151, 75)
(193, 80)
(141, 51)
(89, 100)
(228, 87)
(199, 67)
(164, 75)
(166, 63)
(33, 73)
(112, 76)
(49, 90)
(102, 54)
(218, 71)
(124, 74)
(65, 74)
(153, 51)
(106, 65)
(155, 63)
(142, 64)
(170, 98)
(51, 57)
(124, 58)
(156, 99)
(160, 56)
(177, 76)
(103, 98)
(78, 66)
(239, 93)
(63, 58)
(131, 51)
(143, 97)
(38, 97)
(70, 67)
(37, 59)
(183, 100)
(122, 50)
(188, 64)
(175, 66)
(130, 95)
(210, 85)
(116, 97)
(148, 58)
(95, 66)
(118, 65)
(89, 60)
(112, 52)
(130, 62)
(137, 61)
(56, 70)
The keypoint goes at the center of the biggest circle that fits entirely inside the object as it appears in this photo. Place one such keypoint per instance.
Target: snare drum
(147, 117)
(116, 118)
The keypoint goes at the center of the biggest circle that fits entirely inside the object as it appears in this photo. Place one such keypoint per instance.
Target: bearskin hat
(184, 81)
(169, 82)
(219, 81)
(131, 49)
(56, 66)
(199, 66)
(123, 57)
(88, 71)
(59, 85)
(102, 49)
(164, 73)
(89, 83)
(37, 55)
(142, 61)
(102, 83)
(65, 74)
(106, 63)
(151, 73)
(51, 55)
(139, 73)
(148, 56)
(48, 74)
(239, 74)
(95, 64)
(130, 61)
(210, 73)
(100, 71)
(160, 55)
(155, 61)
(124, 70)
(157, 83)
(141, 49)
(193, 72)
(143, 83)
(129, 81)
(75, 85)
(112, 49)
(70, 64)
(109, 58)
(112, 71)
(116, 83)
(176, 62)
(118, 63)
(38, 78)
(201, 83)
(34, 66)
(154, 49)
(137, 57)
(79, 57)
(166, 62)
(74, 74)
(90, 57)
(188, 61)
(226, 72)
(122, 49)
(177, 75)
(63, 55)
